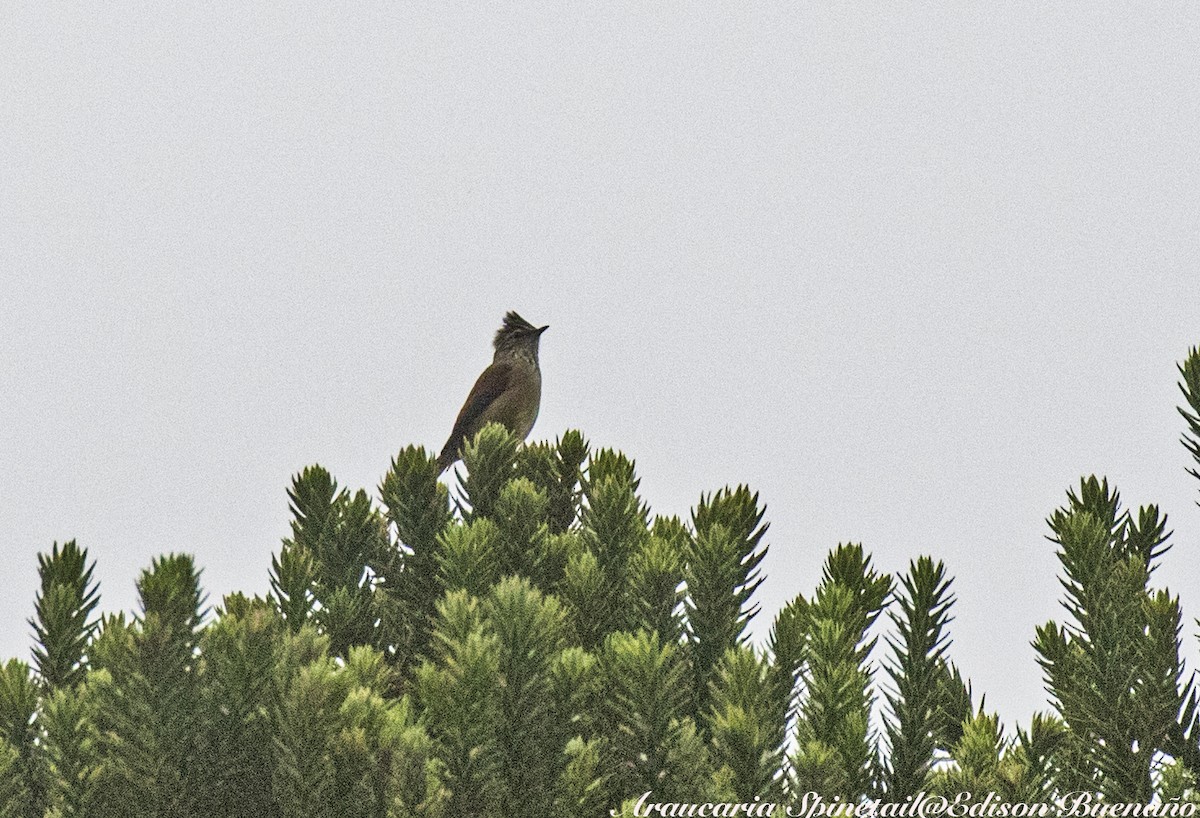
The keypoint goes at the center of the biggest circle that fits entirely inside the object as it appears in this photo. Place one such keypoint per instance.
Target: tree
(532, 640)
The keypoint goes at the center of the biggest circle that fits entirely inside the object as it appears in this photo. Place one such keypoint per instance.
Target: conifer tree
(721, 577)
(925, 715)
(457, 690)
(1189, 370)
(613, 527)
(418, 510)
(532, 727)
(14, 792)
(745, 724)
(650, 743)
(19, 762)
(63, 624)
(69, 749)
(236, 737)
(835, 753)
(322, 570)
(1113, 670)
(545, 645)
(147, 698)
(63, 621)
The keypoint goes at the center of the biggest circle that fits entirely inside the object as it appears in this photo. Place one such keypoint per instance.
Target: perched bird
(508, 392)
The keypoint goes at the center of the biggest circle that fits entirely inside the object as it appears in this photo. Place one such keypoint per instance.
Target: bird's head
(517, 336)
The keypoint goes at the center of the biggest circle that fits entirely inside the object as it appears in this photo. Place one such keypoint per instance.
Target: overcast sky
(907, 269)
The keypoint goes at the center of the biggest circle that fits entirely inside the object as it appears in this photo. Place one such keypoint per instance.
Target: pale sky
(907, 269)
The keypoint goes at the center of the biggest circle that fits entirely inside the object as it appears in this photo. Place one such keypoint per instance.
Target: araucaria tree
(535, 642)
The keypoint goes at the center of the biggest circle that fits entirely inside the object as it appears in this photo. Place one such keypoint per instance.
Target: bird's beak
(540, 330)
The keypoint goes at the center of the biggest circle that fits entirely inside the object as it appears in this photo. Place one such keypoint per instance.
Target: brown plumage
(508, 392)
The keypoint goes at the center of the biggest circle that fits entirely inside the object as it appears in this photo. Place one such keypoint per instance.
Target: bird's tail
(446, 459)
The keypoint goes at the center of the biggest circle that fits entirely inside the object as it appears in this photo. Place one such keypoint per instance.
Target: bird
(509, 392)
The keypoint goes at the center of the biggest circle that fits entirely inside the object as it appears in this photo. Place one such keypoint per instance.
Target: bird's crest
(513, 325)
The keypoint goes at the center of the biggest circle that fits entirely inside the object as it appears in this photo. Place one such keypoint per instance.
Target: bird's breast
(517, 408)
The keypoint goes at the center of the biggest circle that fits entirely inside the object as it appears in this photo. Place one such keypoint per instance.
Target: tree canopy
(537, 642)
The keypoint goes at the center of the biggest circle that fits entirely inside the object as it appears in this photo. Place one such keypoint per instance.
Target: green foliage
(979, 757)
(418, 509)
(556, 470)
(1178, 783)
(490, 460)
(650, 744)
(581, 788)
(304, 727)
(1114, 670)
(457, 691)
(490, 693)
(293, 573)
(532, 731)
(521, 528)
(984, 761)
(18, 737)
(341, 748)
(747, 734)
(655, 577)
(835, 754)
(468, 558)
(14, 792)
(67, 720)
(546, 646)
(722, 576)
(613, 526)
(336, 537)
(236, 698)
(1039, 753)
(588, 595)
(1189, 370)
(63, 622)
(921, 715)
(787, 644)
(147, 699)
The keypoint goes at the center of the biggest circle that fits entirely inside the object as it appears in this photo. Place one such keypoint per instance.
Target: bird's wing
(491, 385)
